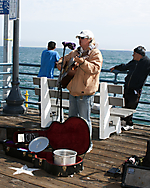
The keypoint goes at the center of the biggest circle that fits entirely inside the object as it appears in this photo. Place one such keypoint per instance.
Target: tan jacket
(86, 78)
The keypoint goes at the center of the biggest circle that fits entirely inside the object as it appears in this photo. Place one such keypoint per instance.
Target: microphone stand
(60, 85)
(72, 47)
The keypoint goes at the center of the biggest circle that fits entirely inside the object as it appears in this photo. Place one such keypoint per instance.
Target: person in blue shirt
(49, 58)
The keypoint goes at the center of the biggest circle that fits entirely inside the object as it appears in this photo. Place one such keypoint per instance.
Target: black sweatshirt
(138, 72)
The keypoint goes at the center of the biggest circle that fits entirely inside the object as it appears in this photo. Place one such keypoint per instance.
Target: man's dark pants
(131, 102)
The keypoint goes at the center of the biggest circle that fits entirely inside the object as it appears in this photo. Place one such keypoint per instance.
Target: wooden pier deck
(106, 154)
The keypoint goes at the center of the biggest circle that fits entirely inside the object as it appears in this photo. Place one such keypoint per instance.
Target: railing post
(115, 80)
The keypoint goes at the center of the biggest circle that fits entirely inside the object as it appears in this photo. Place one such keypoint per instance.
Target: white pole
(7, 53)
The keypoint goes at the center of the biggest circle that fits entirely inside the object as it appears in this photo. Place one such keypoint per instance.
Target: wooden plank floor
(106, 154)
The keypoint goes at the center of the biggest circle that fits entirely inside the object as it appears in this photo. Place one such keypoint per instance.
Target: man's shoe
(127, 127)
(131, 127)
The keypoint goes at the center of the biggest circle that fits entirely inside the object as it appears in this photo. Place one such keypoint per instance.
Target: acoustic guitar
(66, 76)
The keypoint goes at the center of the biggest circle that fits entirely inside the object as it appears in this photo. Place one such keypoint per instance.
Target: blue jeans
(81, 107)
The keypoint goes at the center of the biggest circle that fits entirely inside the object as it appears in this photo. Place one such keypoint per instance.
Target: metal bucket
(64, 157)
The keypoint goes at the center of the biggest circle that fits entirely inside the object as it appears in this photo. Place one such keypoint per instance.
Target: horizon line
(62, 48)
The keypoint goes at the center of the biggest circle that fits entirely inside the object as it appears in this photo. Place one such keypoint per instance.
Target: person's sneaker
(131, 127)
(127, 127)
(90, 148)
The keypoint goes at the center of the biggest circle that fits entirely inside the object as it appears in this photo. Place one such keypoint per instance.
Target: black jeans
(131, 101)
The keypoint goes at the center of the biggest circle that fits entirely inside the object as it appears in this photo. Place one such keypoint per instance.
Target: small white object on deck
(24, 169)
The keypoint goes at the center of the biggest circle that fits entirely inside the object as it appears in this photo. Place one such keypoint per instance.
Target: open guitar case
(73, 134)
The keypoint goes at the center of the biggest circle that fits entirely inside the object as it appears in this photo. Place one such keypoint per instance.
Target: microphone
(70, 45)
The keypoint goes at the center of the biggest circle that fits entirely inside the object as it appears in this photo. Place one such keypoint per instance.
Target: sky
(116, 24)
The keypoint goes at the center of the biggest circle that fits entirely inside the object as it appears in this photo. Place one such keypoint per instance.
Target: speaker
(136, 176)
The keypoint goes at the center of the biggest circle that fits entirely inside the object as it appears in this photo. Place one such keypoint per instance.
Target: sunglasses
(82, 37)
(141, 49)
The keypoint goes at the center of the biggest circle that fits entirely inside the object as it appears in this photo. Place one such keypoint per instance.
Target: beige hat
(86, 34)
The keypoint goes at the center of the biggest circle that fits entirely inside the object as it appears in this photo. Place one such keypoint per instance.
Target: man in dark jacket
(138, 70)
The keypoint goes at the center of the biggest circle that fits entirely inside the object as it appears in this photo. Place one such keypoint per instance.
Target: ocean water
(110, 59)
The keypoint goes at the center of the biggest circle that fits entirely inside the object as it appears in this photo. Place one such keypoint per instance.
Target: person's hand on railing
(112, 69)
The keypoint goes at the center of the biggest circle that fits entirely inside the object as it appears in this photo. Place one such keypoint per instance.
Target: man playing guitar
(85, 76)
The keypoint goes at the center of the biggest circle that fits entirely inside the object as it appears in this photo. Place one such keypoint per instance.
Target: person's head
(51, 45)
(139, 52)
(86, 37)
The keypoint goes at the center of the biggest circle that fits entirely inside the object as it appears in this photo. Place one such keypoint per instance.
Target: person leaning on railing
(49, 58)
(139, 68)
